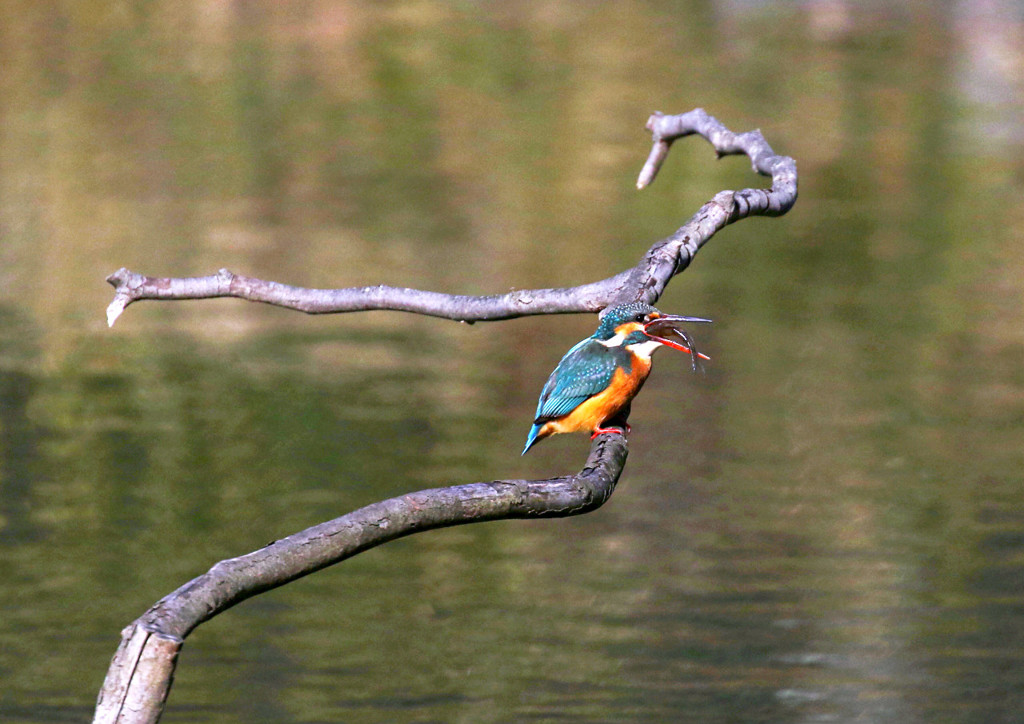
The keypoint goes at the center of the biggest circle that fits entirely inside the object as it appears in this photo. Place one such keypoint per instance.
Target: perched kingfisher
(599, 377)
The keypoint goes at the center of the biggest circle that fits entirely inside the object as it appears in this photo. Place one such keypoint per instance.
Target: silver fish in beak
(663, 326)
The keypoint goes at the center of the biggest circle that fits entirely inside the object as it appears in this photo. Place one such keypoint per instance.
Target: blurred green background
(827, 526)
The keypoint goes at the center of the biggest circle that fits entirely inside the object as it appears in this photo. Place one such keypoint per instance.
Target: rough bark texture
(140, 674)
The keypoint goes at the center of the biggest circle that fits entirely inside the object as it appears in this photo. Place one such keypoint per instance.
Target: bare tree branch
(646, 281)
(140, 673)
(132, 287)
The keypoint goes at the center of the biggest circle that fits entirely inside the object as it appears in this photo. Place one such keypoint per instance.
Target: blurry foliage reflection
(825, 526)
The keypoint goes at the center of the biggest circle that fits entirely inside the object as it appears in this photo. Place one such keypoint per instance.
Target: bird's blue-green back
(585, 370)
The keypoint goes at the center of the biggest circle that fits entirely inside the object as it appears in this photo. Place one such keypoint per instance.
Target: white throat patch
(644, 350)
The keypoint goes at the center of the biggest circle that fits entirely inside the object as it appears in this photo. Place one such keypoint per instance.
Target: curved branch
(140, 673)
(646, 281)
(139, 677)
(672, 255)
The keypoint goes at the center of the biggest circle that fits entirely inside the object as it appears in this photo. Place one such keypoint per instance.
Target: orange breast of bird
(594, 411)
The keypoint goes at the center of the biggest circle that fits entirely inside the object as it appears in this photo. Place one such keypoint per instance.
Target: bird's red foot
(603, 430)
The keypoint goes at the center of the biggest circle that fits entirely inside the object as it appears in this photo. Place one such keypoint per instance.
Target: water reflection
(20, 438)
(825, 527)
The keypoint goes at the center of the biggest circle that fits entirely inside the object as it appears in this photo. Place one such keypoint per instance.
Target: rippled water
(827, 526)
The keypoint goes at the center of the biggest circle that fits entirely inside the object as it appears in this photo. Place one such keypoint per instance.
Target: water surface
(827, 526)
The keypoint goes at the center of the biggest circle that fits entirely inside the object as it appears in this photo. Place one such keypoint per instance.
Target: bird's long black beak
(675, 318)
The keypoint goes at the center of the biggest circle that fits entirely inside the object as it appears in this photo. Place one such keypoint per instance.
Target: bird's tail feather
(531, 439)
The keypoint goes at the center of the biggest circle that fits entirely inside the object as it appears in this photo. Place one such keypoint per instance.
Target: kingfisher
(600, 376)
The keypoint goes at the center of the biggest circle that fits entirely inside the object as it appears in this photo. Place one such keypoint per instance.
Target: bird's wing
(585, 370)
